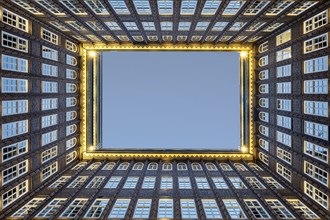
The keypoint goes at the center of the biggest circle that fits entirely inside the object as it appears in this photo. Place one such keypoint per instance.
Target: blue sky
(171, 100)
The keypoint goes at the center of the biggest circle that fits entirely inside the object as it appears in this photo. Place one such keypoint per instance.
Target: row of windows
(165, 208)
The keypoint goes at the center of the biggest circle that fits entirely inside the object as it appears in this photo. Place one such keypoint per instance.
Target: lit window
(257, 210)
(302, 209)
(48, 120)
(211, 209)
(109, 166)
(70, 60)
(301, 8)
(188, 209)
(219, 183)
(14, 150)
(255, 167)
(48, 137)
(264, 158)
(166, 182)
(14, 193)
(283, 38)
(316, 65)
(283, 121)
(119, 6)
(318, 86)
(60, 26)
(283, 104)
(316, 194)
(202, 183)
(11, 173)
(96, 182)
(142, 7)
(256, 7)
(316, 173)
(51, 208)
(283, 54)
(48, 104)
(165, 208)
(278, 8)
(48, 171)
(71, 46)
(167, 166)
(184, 183)
(202, 26)
(264, 102)
(233, 7)
(188, 7)
(152, 166)
(256, 26)
(263, 61)
(28, 208)
(96, 26)
(78, 182)
(316, 22)
(166, 25)
(13, 107)
(283, 171)
(49, 70)
(131, 182)
(94, 166)
(97, 208)
(237, 26)
(113, 182)
(97, 7)
(272, 27)
(49, 36)
(112, 25)
(138, 166)
(219, 26)
(234, 209)
(14, 42)
(119, 209)
(263, 47)
(14, 64)
(240, 167)
(272, 183)
(211, 167)
(284, 155)
(182, 166)
(264, 116)
(148, 26)
(142, 208)
(74, 208)
(210, 7)
(14, 20)
(237, 183)
(264, 130)
(316, 43)
(74, 7)
(255, 183)
(283, 138)
(70, 157)
(16, 128)
(152, 37)
(149, 182)
(123, 166)
(196, 166)
(316, 151)
(48, 154)
(225, 167)
(79, 166)
(316, 130)
(165, 7)
(283, 71)
(131, 26)
(76, 25)
(27, 6)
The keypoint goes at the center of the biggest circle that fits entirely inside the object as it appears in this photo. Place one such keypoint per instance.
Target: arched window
(71, 88)
(264, 116)
(196, 166)
(264, 88)
(255, 167)
(123, 166)
(71, 143)
(70, 60)
(263, 61)
(182, 166)
(240, 167)
(71, 129)
(225, 167)
(109, 166)
(264, 130)
(264, 158)
(167, 166)
(71, 157)
(71, 74)
(153, 166)
(211, 167)
(138, 166)
(264, 144)
(71, 101)
(71, 46)
(79, 166)
(94, 166)
(263, 75)
(263, 47)
(71, 115)
(264, 102)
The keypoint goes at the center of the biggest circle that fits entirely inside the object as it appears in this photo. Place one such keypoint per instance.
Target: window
(283, 38)
(97, 208)
(316, 43)
(14, 193)
(14, 150)
(48, 171)
(316, 22)
(109, 166)
(71, 74)
(255, 167)
(166, 182)
(256, 7)
(94, 166)
(51, 208)
(48, 104)
(257, 210)
(202, 26)
(48, 137)
(211, 167)
(149, 26)
(59, 183)
(182, 166)
(49, 53)
(70, 157)
(263, 61)
(16, 128)
(202, 183)
(283, 138)
(316, 65)
(284, 105)
(233, 7)
(74, 208)
(153, 166)
(316, 108)
(119, 209)
(71, 101)
(318, 86)
(49, 70)
(316, 173)
(272, 183)
(283, 121)
(264, 130)
(113, 182)
(48, 154)
(264, 144)
(301, 8)
(149, 182)
(138, 166)
(283, 54)
(142, 208)
(188, 209)
(49, 36)
(14, 20)
(184, 183)
(264, 88)
(15, 171)
(28, 207)
(10, 85)
(283, 171)
(74, 7)
(284, 155)
(13, 107)
(263, 47)
(264, 116)
(219, 26)
(316, 130)
(316, 151)
(196, 166)
(49, 87)
(165, 208)
(283, 71)
(237, 183)
(211, 209)
(71, 60)
(188, 7)
(142, 7)
(279, 7)
(165, 7)
(263, 75)
(49, 120)
(123, 166)
(112, 25)
(78, 182)
(302, 209)
(316, 194)
(264, 102)
(210, 7)
(79, 166)
(225, 167)
(264, 158)
(96, 27)
(71, 88)
(70, 45)
(119, 6)
(131, 182)
(14, 42)
(166, 25)
(237, 26)
(71, 129)
(219, 183)
(240, 167)
(234, 209)
(167, 166)
(255, 183)
(71, 115)
(96, 182)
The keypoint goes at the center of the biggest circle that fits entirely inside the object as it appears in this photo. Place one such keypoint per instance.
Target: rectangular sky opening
(171, 100)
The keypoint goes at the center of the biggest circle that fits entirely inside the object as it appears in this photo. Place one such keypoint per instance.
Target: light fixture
(244, 149)
(243, 54)
(92, 53)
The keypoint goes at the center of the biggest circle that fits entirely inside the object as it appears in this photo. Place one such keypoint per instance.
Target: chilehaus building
(53, 166)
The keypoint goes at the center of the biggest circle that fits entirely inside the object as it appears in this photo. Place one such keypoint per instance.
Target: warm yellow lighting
(92, 148)
(244, 54)
(244, 149)
(92, 53)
